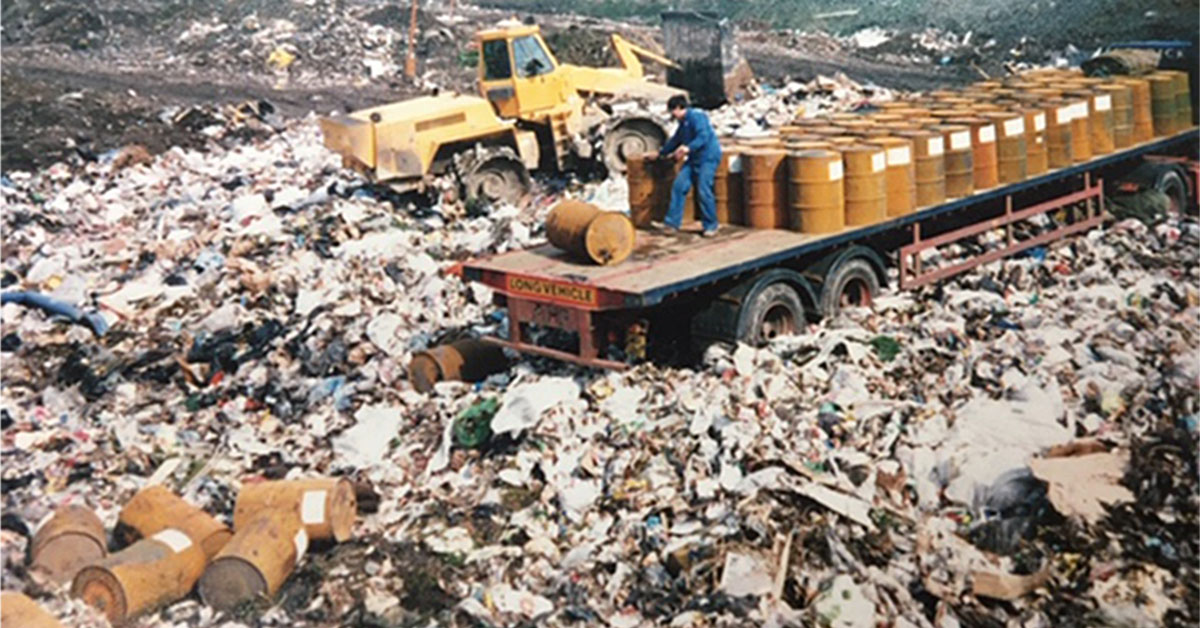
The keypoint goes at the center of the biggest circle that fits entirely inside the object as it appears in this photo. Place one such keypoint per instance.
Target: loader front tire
(498, 178)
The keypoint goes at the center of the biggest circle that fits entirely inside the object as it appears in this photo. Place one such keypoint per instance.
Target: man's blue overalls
(704, 155)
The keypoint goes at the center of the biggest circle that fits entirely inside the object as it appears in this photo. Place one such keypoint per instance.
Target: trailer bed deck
(661, 259)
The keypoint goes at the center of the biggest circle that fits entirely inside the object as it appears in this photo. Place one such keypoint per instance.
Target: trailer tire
(774, 311)
(1170, 183)
(756, 310)
(852, 283)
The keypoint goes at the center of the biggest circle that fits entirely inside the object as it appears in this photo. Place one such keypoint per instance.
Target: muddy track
(49, 109)
(774, 62)
(153, 86)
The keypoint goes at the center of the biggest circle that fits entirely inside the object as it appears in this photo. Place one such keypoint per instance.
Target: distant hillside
(1048, 23)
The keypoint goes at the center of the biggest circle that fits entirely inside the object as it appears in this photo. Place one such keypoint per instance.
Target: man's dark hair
(677, 102)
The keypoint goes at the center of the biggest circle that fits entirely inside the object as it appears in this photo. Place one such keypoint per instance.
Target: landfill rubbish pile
(314, 43)
(1014, 446)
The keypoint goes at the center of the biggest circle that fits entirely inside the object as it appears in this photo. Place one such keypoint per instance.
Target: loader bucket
(711, 68)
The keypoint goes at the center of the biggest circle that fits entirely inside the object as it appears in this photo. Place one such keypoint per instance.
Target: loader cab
(517, 72)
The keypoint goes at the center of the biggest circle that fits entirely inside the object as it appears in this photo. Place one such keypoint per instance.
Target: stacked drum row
(821, 175)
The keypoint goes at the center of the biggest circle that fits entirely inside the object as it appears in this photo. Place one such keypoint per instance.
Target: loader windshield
(531, 58)
(495, 60)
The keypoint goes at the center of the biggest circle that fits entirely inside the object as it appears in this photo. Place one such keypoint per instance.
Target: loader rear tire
(629, 138)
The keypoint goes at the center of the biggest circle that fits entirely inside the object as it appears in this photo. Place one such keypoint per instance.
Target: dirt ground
(52, 112)
(80, 79)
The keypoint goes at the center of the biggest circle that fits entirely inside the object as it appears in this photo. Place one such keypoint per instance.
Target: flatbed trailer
(678, 291)
(752, 284)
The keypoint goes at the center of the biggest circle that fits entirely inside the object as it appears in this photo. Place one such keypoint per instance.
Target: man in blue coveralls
(695, 141)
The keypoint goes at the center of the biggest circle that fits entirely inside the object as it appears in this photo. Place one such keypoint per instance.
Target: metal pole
(410, 62)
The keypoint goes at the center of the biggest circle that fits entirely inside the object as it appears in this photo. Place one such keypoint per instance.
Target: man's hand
(680, 153)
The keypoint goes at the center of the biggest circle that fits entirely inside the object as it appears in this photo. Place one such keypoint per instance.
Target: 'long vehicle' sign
(552, 290)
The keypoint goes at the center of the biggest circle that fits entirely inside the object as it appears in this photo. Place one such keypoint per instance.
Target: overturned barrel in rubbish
(1010, 145)
(728, 187)
(1143, 119)
(326, 506)
(149, 574)
(1162, 103)
(590, 233)
(1122, 111)
(960, 166)
(983, 151)
(17, 610)
(155, 508)
(815, 191)
(929, 156)
(1060, 145)
(765, 176)
(900, 174)
(1035, 140)
(69, 538)
(256, 561)
(467, 360)
(865, 184)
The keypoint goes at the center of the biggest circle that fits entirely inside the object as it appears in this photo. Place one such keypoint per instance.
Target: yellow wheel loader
(534, 114)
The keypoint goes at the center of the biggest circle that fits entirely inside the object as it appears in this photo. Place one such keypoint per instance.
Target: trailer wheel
(773, 312)
(1170, 183)
(755, 311)
(850, 284)
(631, 137)
(1165, 178)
